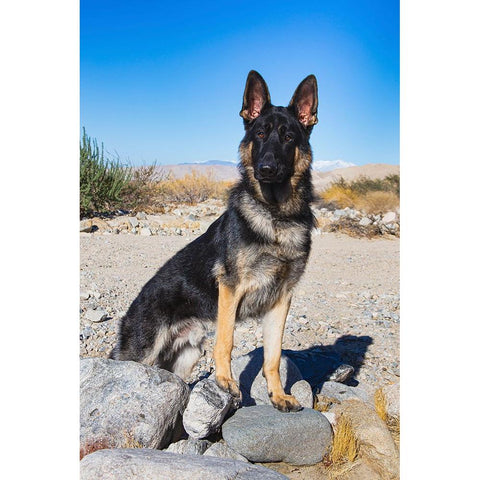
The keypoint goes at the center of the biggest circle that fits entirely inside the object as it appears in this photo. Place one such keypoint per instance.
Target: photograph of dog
(247, 263)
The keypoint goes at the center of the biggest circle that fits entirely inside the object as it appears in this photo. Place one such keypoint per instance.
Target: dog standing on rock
(248, 261)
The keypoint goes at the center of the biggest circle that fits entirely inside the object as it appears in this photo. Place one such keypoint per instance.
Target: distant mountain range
(328, 165)
(227, 163)
(324, 171)
(319, 166)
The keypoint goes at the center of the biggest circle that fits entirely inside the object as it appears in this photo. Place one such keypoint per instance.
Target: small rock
(207, 406)
(133, 222)
(389, 217)
(191, 446)
(364, 222)
(342, 373)
(84, 295)
(86, 226)
(264, 434)
(98, 315)
(302, 391)
(145, 231)
(222, 450)
(149, 464)
(87, 332)
(141, 216)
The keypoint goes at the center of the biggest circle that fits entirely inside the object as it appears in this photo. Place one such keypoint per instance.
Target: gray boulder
(125, 404)
(342, 392)
(147, 464)
(221, 449)
(264, 434)
(247, 371)
(190, 446)
(207, 406)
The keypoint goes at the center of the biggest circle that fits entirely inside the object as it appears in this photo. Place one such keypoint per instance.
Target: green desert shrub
(102, 179)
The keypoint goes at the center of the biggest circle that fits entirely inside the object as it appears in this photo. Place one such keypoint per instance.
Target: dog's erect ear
(255, 98)
(305, 102)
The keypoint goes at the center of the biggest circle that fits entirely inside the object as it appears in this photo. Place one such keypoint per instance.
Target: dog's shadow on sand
(316, 363)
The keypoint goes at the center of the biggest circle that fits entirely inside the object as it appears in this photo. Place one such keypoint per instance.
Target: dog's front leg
(273, 326)
(222, 352)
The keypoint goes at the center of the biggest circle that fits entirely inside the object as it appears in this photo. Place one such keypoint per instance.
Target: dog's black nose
(267, 170)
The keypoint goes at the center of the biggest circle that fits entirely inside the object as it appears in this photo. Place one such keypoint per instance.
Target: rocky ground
(346, 307)
(347, 300)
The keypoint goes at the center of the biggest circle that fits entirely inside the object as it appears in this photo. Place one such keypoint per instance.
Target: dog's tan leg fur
(222, 352)
(273, 326)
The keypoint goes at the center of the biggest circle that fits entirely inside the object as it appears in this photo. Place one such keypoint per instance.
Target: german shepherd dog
(248, 261)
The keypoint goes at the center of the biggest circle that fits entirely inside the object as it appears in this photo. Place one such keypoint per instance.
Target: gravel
(346, 303)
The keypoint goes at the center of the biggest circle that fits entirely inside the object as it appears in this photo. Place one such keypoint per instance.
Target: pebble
(84, 295)
(98, 315)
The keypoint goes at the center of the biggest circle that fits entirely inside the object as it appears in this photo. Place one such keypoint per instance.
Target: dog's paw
(285, 403)
(230, 385)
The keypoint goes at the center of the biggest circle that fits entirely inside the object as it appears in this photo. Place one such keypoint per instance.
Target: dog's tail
(175, 347)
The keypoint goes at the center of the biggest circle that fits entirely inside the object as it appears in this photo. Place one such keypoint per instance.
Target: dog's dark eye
(287, 138)
(261, 134)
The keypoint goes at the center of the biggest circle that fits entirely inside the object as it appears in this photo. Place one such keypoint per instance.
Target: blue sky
(163, 82)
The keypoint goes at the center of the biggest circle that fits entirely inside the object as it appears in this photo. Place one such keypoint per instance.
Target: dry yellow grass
(370, 196)
(194, 187)
(380, 404)
(377, 202)
(392, 422)
(150, 189)
(340, 195)
(345, 445)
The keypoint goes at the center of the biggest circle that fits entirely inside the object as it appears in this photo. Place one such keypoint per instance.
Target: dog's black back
(261, 242)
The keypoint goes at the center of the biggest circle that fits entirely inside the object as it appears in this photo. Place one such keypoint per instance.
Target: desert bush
(151, 188)
(144, 191)
(102, 179)
(390, 183)
(377, 202)
(366, 194)
(194, 188)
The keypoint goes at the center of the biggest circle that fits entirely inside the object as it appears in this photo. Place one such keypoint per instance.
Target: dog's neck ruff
(270, 224)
